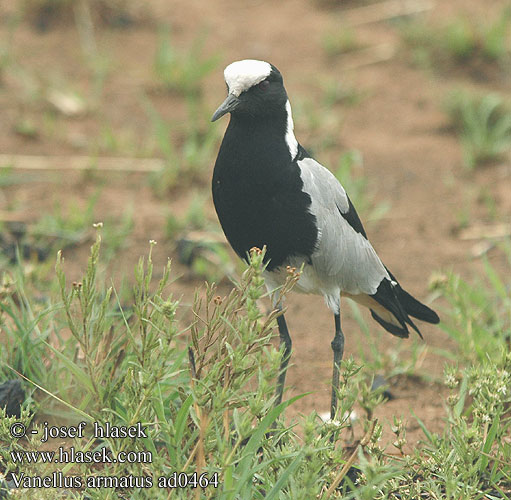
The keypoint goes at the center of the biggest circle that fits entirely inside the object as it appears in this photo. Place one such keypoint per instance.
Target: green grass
(197, 244)
(461, 42)
(72, 225)
(6, 45)
(340, 41)
(204, 392)
(187, 148)
(401, 360)
(337, 91)
(483, 124)
(480, 311)
(182, 71)
(209, 394)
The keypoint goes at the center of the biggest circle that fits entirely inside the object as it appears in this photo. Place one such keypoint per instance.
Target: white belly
(309, 282)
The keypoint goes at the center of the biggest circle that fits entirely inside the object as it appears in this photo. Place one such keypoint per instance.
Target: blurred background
(105, 109)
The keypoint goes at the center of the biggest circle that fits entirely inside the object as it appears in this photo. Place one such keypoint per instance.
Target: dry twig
(382, 11)
(80, 163)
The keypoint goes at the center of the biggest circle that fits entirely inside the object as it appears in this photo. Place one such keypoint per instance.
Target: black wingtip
(417, 309)
(398, 331)
(412, 306)
(412, 324)
(402, 306)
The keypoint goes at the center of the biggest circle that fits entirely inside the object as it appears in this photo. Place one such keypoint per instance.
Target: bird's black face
(255, 91)
(265, 98)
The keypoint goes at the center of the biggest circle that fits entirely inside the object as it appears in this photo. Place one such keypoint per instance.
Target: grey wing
(343, 256)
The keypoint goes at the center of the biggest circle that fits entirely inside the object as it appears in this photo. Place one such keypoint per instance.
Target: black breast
(257, 191)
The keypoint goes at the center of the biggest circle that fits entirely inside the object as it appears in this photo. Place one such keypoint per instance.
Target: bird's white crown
(241, 75)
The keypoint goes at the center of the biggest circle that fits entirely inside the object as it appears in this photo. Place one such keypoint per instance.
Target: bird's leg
(338, 348)
(285, 340)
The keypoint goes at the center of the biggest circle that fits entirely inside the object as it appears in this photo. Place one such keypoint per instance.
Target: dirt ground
(411, 160)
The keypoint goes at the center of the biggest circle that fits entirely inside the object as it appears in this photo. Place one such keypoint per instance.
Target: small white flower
(450, 380)
(325, 416)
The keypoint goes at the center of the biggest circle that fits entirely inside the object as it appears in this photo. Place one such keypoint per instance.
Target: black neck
(260, 139)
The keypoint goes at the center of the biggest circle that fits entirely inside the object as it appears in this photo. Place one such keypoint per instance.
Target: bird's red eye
(264, 85)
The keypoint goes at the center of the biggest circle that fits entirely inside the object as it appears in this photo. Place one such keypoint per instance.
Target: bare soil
(411, 159)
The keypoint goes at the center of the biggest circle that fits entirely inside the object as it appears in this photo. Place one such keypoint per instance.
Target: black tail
(401, 305)
(412, 306)
(415, 308)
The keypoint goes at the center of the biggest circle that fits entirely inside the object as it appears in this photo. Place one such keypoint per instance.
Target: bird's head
(255, 89)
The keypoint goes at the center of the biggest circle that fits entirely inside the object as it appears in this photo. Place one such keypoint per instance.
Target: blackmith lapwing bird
(268, 191)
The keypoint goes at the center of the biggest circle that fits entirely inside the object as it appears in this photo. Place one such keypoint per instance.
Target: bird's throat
(262, 138)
